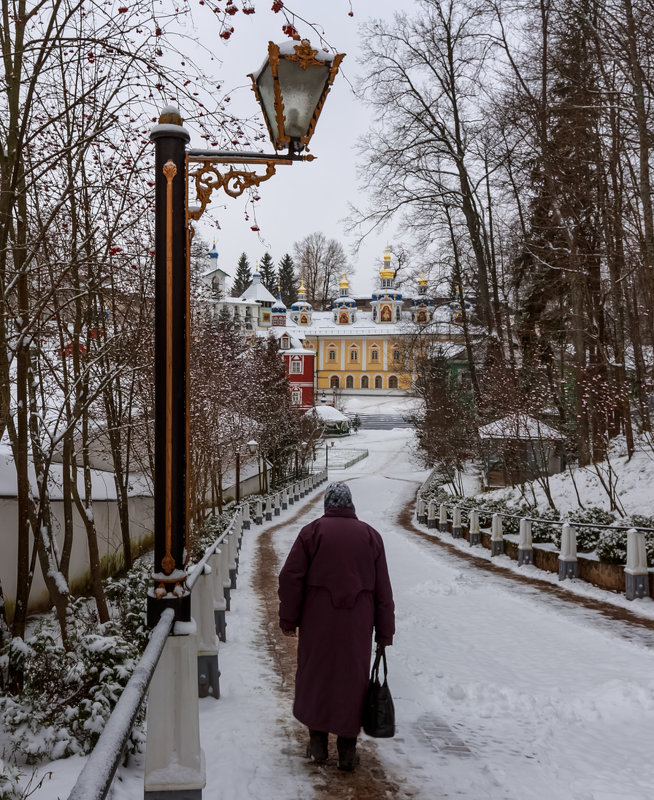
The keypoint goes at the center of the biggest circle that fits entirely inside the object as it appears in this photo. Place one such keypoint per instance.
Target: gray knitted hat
(338, 495)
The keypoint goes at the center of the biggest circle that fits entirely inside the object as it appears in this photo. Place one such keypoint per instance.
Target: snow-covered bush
(9, 781)
(612, 545)
(69, 694)
(544, 532)
(127, 595)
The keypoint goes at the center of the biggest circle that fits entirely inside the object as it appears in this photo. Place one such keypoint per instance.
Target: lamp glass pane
(301, 91)
(267, 92)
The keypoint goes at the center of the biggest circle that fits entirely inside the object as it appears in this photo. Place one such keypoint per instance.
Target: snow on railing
(213, 577)
(636, 570)
(95, 779)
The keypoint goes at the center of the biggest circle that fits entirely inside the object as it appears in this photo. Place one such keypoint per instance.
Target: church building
(349, 348)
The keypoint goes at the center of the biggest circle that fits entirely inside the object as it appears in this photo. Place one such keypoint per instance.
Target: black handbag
(379, 711)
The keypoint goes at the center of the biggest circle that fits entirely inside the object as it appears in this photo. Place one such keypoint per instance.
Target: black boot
(347, 753)
(317, 747)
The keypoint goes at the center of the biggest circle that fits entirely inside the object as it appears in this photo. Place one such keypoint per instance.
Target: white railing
(437, 516)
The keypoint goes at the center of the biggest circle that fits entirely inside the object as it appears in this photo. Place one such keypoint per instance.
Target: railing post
(246, 515)
(224, 573)
(277, 504)
(268, 508)
(296, 492)
(568, 554)
(202, 609)
(219, 599)
(230, 541)
(636, 574)
(258, 512)
(456, 523)
(284, 499)
(442, 518)
(473, 528)
(174, 761)
(525, 545)
(497, 538)
(431, 514)
(421, 511)
(237, 529)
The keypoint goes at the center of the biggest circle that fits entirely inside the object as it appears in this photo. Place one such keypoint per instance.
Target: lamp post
(291, 87)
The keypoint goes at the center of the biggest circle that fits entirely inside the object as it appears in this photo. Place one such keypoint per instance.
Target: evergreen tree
(243, 276)
(268, 273)
(287, 280)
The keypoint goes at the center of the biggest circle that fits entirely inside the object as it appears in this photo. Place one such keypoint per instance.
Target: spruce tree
(268, 273)
(287, 280)
(243, 276)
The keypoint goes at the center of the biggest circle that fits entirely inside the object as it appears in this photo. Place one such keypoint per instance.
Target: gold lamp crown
(423, 280)
(343, 283)
(291, 88)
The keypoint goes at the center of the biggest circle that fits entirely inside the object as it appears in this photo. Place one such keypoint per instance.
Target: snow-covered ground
(500, 691)
(633, 479)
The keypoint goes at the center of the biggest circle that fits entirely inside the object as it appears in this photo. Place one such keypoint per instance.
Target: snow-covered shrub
(208, 533)
(69, 693)
(544, 532)
(9, 781)
(612, 547)
(127, 595)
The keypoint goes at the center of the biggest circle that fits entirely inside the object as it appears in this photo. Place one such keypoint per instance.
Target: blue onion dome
(279, 306)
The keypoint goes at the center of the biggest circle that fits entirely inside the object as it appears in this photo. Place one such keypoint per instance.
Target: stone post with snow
(442, 518)
(219, 600)
(497, 537)
(636, 574)
(202, 610)
(568, 554)
(474, 531)
(525, 544)
(456, 523)
(431, 514)
(174, 761)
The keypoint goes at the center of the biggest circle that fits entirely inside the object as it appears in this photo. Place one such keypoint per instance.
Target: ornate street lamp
(292, 87)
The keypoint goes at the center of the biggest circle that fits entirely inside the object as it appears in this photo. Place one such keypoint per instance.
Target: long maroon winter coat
(334, 586)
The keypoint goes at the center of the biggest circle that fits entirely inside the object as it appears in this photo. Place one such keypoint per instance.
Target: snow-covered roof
(257, 291)
(519, 426)
(213, 270)
(329, 413)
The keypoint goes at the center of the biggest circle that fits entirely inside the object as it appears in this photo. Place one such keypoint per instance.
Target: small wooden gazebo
(519, 448)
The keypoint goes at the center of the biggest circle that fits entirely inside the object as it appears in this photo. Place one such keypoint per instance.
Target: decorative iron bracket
(208, 175)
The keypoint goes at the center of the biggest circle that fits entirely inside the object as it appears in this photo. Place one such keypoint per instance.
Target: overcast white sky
(305, 197)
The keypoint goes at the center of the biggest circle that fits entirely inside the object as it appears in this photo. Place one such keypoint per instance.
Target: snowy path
(501, 691)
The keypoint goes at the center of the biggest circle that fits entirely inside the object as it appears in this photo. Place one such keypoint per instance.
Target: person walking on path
(334, 588)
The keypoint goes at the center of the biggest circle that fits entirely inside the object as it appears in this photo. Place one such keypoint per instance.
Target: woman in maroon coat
(335, 588)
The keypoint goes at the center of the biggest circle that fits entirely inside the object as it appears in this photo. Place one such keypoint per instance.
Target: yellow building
(361, 350)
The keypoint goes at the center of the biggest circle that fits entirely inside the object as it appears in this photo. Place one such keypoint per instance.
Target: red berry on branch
(277, 6)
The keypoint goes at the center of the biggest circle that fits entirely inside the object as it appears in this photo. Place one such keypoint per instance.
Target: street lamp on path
(291, 87)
